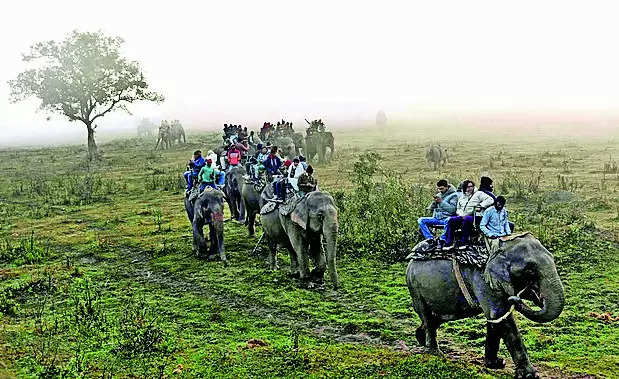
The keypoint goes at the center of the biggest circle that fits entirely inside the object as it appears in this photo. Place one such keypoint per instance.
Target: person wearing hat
(194, 166)
(207, 175)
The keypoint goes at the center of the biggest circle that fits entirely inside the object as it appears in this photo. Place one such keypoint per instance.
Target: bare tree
(83, 77)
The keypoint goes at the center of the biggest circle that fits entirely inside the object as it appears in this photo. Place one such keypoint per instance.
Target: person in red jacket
(234, 156)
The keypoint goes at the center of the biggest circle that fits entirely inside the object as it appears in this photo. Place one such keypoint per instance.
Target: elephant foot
(526, 373)
(420, 335)
(494, 364)
(317, 276)
(434, 350)
(212, 257)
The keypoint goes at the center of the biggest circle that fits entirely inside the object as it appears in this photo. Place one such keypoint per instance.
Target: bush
(381, 212)
(23, 251)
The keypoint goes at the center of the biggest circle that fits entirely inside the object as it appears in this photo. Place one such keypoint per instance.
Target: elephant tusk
(511, 309)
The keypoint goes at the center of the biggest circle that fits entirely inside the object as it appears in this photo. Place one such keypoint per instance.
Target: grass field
(97, 275)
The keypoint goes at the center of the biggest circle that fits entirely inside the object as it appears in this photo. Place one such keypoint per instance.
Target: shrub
(23, 251)
(381, 212)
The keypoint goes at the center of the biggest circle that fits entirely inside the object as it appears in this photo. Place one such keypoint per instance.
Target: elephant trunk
(218, 226)
(552, 297)
(330, 231)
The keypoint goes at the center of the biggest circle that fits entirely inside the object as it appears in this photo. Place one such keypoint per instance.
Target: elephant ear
(496, 273)
(300, 214)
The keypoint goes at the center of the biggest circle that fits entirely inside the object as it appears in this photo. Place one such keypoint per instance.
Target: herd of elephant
(522, 270)
(302, 231)
(170, 133)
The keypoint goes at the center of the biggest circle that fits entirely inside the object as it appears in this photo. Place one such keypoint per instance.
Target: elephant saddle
(473, 255)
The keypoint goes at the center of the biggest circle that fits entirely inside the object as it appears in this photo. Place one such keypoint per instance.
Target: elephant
(146, 128)
(302, 232)
(250, 196)
(176, 132)
(316, 144)
(521, 269)
(437, 155)
(207, 208)
(286, 146)
(299, 143)
(233, 189)
(164, 135)
(381, 118)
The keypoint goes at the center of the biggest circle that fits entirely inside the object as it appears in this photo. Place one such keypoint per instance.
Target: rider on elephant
(194, 165)
(303, 162)
(294, 172)
(443, 207)
(495, 224)
(307, 182)
(234, 156)
(207, 175)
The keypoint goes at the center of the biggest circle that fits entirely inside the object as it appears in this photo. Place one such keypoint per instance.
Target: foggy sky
(263, 60)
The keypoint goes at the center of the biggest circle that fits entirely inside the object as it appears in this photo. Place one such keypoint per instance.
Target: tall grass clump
(381, 212)
(22, 251)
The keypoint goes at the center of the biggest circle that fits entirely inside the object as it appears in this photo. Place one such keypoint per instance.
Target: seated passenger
(443, 206)
(307, 183)
(234, 156)
(494, 224)
(464, 213)
(207, 176)
(194, 165)
(481, 200)
(294, 172)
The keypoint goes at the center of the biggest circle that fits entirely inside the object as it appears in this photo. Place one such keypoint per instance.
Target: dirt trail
(137, 264)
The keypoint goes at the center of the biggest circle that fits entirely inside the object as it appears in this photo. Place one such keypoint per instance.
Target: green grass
(98, 279)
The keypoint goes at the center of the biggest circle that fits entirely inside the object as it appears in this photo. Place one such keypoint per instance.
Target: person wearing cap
(207, 175)
(294, 172)
(234, 156)
(307, 182)
(194, 167)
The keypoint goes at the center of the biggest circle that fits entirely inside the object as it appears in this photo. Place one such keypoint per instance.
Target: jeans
(425, 222)
(455, 222)
(189, 179)
(204, 185)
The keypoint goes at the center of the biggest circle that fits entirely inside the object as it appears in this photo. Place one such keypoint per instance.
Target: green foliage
(381, 212)
(25, 250)
(520, 186)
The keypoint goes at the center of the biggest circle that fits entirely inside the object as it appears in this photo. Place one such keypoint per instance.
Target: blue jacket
(494, 223)
(198, 164)
(447, 207)
(272, 164)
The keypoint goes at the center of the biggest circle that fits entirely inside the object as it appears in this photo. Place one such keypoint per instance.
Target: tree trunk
(92, 146)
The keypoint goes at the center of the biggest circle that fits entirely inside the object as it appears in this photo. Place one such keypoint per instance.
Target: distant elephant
(316, 145)
(164, 135)
(523, 266)
(146, 128)
(299, 143)
(381, 118)
(302, 232)
(177, 132)
(233, 189)
(286, 146)
(437, 155)
(207, 208)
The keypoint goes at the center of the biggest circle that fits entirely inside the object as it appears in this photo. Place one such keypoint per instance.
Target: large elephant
(302, 232)
(316, 145)
(207, 208)
(233, 189)
(286, 146)
(522, 269)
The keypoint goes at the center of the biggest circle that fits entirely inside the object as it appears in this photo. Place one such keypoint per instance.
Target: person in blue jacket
(194, 166)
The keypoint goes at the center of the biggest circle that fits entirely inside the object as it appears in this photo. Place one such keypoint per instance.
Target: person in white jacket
(294, 172)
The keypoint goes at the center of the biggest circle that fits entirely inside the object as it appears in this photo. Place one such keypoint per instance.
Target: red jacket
(234, 156)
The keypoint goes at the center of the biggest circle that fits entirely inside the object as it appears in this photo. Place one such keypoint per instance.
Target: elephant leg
(420, 335)
(213, 248)
(198, 237)
(251, 220)
(294, 264)
(493, 339)
(318, 260)
(272, 260)
(513, 342)
(431, 326)
(299, 244)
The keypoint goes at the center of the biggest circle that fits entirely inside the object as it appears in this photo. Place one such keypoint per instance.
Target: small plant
(25, 251)
(158, 218)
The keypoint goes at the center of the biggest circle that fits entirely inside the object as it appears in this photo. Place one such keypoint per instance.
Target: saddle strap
(461, 283)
